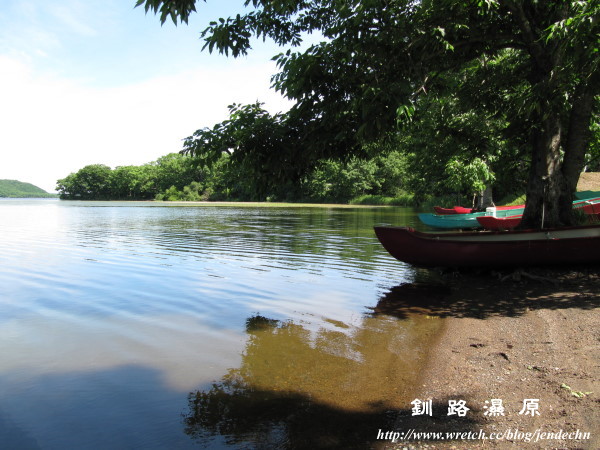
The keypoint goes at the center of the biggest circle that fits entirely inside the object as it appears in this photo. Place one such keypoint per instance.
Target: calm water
(129, 325)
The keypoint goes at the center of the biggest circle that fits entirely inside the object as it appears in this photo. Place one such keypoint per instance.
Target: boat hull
(499, 223)
(583, 195)
(575, 245)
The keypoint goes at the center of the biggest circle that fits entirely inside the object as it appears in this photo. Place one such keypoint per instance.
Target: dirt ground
(589, 181)
(510, 337)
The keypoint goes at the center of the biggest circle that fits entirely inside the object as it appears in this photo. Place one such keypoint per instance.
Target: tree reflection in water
(335, 386)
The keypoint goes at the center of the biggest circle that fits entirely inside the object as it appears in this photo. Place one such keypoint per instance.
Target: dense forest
(19, 189)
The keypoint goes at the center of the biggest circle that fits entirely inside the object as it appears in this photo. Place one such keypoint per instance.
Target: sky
(101, 82)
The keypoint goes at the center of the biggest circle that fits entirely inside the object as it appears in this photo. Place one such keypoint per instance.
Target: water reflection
(14, 436)
(266, 238)
(110, 314)
(297, 388)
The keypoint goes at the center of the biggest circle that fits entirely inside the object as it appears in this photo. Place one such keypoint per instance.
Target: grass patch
(512, 200)
(574, 393)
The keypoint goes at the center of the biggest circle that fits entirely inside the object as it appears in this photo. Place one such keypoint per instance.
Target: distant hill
(18, 189)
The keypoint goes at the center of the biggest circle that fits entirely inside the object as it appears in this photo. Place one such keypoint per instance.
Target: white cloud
(52, 127)
(63, 345)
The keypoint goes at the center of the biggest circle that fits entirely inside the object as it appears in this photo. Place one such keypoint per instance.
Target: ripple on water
(102, 303)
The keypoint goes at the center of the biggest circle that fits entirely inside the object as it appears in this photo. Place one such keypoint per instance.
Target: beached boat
(583, 195)
(572, 245)
(453, 210)
(472, 221)
(461, 221)
(590, 207)
(450, 222)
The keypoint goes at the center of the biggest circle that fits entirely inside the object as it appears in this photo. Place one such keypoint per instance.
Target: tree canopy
(175, 177)
(527, 68)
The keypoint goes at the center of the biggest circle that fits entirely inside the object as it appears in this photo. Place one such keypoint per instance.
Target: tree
(254, 140)
(100, 182)
(452, 133)
(340, 182)
(473, 176)
(130, 183)
(92, 182)
(176, 170)
(381, 57)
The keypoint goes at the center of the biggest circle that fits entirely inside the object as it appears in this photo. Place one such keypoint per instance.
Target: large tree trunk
(578, 139)
(552, 182)
(546, 180)
(545, 177)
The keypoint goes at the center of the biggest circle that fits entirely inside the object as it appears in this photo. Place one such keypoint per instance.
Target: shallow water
(137, 325)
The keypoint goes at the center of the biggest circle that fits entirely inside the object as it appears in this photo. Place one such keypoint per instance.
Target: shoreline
(512, 340)
(162, 203)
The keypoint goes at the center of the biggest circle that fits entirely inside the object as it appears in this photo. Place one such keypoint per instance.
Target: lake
(147, 325)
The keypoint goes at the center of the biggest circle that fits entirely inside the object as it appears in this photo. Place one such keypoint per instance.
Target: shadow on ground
(494, 293)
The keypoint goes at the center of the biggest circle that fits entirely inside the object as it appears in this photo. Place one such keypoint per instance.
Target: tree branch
(531, 41)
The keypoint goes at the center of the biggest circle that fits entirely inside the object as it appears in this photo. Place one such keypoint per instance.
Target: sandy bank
(511, 340)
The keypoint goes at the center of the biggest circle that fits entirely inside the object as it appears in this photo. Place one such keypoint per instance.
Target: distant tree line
(100, 182)
(176, 177)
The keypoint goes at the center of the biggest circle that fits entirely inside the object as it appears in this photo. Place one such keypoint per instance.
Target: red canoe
(454, 210)
(570, 245)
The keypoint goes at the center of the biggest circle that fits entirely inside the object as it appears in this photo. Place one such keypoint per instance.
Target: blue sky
(100, 82)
